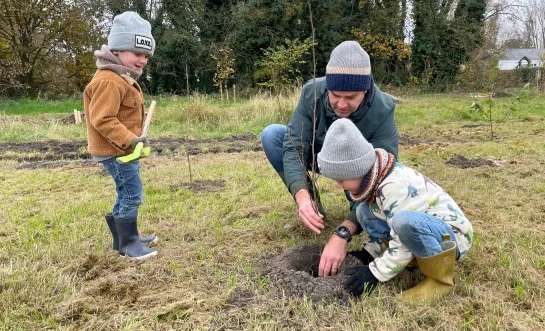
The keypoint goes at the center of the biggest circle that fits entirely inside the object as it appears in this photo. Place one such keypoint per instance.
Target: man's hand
(360, 280)
(332, 256)
(308, 213)
(142, 139)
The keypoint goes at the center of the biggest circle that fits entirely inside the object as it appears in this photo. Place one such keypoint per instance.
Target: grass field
(57, 269)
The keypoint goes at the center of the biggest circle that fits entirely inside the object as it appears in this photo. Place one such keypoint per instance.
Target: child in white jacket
(407, 216)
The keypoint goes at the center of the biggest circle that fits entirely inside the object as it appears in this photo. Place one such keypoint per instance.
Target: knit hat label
(143, 42)
(130, 32)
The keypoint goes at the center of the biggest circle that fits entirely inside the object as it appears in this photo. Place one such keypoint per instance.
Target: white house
(514, 58)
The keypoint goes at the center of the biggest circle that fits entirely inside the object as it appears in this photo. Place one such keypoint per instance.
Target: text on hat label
(143, 42)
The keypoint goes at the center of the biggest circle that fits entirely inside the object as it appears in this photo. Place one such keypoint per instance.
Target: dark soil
(295, 273)
(405, 140)
(51, 154)
(463, 162)
(201, 186)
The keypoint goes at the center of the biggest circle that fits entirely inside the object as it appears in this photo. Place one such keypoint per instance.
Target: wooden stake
(77, 116)
(221, 92)
(234, 93)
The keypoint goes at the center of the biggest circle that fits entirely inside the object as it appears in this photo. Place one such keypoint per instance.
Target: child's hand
(137, 140)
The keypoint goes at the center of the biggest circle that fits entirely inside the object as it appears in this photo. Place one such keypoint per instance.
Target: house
(514, 58)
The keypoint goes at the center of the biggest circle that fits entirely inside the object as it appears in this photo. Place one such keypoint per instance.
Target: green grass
(57, 270)
(39, 106)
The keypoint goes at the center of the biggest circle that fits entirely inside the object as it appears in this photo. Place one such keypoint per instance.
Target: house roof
(516, 54)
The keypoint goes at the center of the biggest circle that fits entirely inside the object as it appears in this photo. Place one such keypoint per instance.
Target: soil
(295, 273)
(52, 154)
(463, 162)
(201, 186)
(405, 140)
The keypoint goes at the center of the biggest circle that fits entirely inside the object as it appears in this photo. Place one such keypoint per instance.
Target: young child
(408, 211)
(114, 111)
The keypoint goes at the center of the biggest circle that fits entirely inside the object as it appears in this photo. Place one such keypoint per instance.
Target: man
(346, 91)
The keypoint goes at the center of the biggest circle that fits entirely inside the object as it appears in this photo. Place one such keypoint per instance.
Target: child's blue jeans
(421, 233)
(128, 186)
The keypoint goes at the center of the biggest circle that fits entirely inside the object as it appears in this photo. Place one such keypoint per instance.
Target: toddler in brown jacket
(114, 111)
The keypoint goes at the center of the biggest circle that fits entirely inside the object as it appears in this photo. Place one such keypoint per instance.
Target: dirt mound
(295, 273)
(463, 162)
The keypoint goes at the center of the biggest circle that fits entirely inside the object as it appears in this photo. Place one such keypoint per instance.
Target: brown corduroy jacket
(114, 111)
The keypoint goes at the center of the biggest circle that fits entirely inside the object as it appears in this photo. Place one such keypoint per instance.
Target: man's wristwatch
(343, 232)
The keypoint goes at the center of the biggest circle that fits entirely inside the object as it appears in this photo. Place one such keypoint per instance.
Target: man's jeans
(272, 140)
(419, 232)
(128, 186)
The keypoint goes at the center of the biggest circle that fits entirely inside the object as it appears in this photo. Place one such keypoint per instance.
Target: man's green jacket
(374, 118)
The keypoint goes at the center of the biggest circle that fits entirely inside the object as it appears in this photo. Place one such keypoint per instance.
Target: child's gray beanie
(345, 153)
(348, 69)
(130, 32)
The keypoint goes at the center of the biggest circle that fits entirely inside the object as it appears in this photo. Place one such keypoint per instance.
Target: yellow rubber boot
(439, 272)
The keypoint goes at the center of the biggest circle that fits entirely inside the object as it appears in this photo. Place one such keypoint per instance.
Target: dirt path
(52, 154)
(48, 154)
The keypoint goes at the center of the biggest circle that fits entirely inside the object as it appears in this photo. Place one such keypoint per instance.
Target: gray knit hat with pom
(345, 153)
(130, 32)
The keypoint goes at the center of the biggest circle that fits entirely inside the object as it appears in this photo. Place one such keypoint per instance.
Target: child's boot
(129, 242)
(439, 272)
(111, 225)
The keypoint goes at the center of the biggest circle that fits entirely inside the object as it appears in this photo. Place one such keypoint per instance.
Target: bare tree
(524, 22)
(534, 22)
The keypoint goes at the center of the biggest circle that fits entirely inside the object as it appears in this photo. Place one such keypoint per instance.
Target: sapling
(489, 111)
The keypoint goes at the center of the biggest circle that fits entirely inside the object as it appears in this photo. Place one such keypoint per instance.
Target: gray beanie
(345, 153)
(130, 32)
(348, 69)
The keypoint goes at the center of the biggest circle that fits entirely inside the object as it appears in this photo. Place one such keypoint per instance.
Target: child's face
(131, 60)
(351, 185)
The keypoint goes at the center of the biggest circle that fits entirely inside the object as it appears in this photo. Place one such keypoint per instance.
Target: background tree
(39, 39)
(445, 35)
(279, 67)
(223, 56)
(382, 34)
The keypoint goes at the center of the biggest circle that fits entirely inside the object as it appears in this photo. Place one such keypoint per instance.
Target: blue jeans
(421, 233)
(375, 227)
(272, 140)
(128, 186)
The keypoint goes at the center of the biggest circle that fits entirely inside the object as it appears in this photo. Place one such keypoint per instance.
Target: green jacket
(374, 118)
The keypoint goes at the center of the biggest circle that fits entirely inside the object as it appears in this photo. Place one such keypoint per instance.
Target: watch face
(343, 232)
